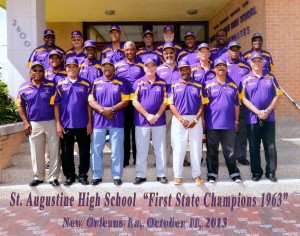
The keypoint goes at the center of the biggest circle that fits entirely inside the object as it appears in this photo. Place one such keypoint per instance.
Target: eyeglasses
(221, 66)
(74, 40)
(107, 66)
(49, 37)
(38, 71)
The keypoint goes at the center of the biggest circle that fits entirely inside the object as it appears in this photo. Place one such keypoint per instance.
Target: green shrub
(8, 109)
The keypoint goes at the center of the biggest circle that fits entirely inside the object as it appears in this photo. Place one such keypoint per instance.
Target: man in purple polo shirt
(130, 69)
(201, 71)
(257, 44)
(260, 93)
(149, 51)
(186, 103)
(41, 53)
(149, 101)
(108, 98)
(169, 72)
(73, 117)
(54, 72)
(90, 68)
(221, 122)
(34, 108)
(114, 50)
(236, 70)
(189, 52)
(76, 52)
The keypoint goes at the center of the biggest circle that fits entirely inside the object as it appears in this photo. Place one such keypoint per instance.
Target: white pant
(42, 131)
(142, 139)
(180, 136)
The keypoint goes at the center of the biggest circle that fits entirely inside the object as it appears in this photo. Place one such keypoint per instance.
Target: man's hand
(191, 124)
(60, 130)
(108, 113)
(262, 115)
(27, 129)
(89, 128)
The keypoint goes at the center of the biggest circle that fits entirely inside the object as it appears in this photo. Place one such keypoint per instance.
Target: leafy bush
(8, 109)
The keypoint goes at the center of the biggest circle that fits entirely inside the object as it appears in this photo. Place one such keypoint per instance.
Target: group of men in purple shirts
(164, 93)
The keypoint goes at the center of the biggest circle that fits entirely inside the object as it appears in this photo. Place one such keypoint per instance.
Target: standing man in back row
(77, 50)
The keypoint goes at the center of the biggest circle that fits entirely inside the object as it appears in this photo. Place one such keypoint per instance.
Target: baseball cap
(168, 45)
(107, 61)
(71, 61)
(189, 33)
(75, 33)
(36, 63)
(183, 63)
(48, 32)
(114, 27)
(203, 45)
(149, 60)
(219, 61)
(89, 43)
(54, 52)
(257, 35)
(168, 27)
(256, 55)
(147, 32)
(234, 44)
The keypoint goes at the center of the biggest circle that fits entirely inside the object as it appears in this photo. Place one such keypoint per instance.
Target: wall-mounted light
(192, 11)
(110, 12)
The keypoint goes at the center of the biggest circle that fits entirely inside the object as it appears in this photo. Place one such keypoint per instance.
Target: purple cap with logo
(71, 61)
(189, 33)
(107, 61)
(114, 27)
(168, 27)
(220, 61)
(55, 52)
(76, 33)
(169, 45)
(256, 55)
(234, 44)
(183, 63)
(150, 60)
(148, 32)
(89, 43)
(203, 45)
(36, 63)
(257, 35)
(48, 32)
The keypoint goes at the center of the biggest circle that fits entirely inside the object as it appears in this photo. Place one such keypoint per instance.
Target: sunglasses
(74, 40)
(39, 71)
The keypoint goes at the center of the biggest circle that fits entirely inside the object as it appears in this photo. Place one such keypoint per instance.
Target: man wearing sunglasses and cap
(108, 98)
(189, 52)
(73, 117)
(41, 53)
(77, 50)
(34, 108)
(114, 50)
(260, 93)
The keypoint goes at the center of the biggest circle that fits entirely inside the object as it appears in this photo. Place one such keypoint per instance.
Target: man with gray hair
(130, 69)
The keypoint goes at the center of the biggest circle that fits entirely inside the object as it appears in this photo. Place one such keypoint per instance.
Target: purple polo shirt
(268, 63)
(190, 56)
(260, 92)
(36, 100)
(143, 55)
(72, 54)
(56, 77)
(41, 54)
(219, 113)
(186, 97)
(73, 100)
(115, 55)
(129, 71)
(169, 75)
(236, 70)
(150, 96)
(109, 93)
(201, 75)
(90, 71)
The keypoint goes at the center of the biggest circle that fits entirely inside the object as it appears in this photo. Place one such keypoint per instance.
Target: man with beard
(257, 44)
(90, 68)
(73, 117)
(76, 51)
(169, 38)
(130, 69)
(237, 69)
(221, 122)
(149, 51)
(261, 93)
(186, 103)
(41, 53)
(34, 108)
(54, 72)
(189, 53)
(114, 50)
(149, 101)
(108, 98)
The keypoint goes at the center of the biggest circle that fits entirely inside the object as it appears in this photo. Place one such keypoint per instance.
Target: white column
(25, 26)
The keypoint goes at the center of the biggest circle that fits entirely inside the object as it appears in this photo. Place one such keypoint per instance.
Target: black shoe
(243, 161)
(272, 177)
(84, 181)
(96, 181)
(186, 163)
(47, 165)
(256, 178)
(36, 182)
(237, 179)
(117, 182)
(69, 181)
(211, 179)
(163, 180)
(54, 183)
(139, 180)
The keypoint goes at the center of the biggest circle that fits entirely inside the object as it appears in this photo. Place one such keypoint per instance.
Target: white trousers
(180, 136)
(43, 131)
(142, 139)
